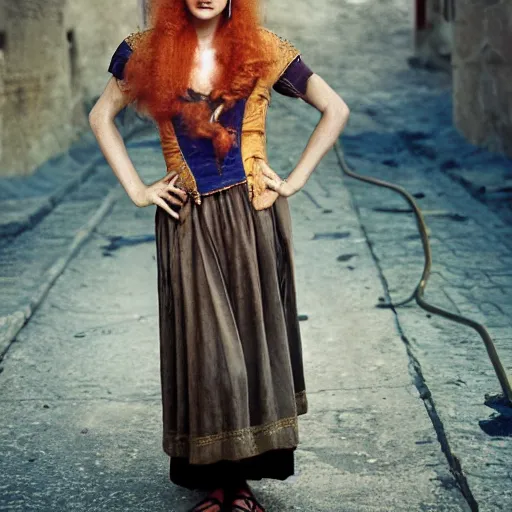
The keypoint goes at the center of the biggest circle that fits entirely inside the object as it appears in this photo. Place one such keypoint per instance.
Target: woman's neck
(205, 30)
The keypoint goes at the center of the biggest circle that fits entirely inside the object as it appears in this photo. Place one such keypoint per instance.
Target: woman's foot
(244, 501)
(212, 503)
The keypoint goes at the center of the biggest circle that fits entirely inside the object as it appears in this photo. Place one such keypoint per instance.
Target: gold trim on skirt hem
(237, 444)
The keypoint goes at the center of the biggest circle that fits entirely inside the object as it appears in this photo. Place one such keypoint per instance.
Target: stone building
(53, 60)
(473, 40)
(482, 72)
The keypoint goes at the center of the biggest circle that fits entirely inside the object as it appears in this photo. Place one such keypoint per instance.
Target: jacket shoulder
(135, 38)
(284, 52)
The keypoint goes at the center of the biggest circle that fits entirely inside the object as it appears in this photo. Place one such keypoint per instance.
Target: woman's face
(206, 9)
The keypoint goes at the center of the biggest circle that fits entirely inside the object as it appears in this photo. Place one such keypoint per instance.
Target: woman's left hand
(274, 182)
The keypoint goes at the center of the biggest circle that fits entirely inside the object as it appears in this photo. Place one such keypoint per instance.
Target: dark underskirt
(274, 464)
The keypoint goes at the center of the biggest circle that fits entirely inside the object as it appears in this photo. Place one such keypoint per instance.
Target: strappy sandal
(249, 501)
(208, 502)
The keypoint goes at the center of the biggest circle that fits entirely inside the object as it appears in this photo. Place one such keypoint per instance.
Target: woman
(231, 362)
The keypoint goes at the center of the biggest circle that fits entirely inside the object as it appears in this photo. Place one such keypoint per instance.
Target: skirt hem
(238, 444)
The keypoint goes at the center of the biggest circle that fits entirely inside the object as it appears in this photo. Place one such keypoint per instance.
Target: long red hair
(159, 69)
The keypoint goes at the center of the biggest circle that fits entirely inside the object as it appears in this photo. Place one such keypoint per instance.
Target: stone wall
(35, 121)
(482, 73)
(98, 27)
(54, 60)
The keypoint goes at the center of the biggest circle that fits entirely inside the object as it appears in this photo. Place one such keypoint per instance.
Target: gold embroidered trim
(268, 429)
(286, 53)
(136, 37)
(237, 444)
(253, 126)
(246, 442)
(253, 139)
(187, 177)
(175, 160)
(224, 188)
(265, 430)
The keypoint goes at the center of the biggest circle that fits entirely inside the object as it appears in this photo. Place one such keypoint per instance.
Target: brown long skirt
(231, 361)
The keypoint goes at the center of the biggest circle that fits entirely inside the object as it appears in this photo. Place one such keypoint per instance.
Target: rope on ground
(498, 402)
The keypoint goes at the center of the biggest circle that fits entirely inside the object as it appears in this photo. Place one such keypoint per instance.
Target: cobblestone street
(397, 420)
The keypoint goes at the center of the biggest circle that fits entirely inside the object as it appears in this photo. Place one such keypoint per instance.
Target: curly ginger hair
(158, 72)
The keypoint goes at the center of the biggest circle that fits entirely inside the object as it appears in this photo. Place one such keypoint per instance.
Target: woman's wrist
(294, 183)
(138, 195)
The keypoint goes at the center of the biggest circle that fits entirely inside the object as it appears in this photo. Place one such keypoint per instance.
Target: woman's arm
(101, 119)
(335, 113)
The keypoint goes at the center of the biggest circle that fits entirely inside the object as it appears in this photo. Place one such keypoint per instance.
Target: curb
(15, 227)
(12, 324)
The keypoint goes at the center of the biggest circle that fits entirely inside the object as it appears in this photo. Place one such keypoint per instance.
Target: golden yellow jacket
(252, 137)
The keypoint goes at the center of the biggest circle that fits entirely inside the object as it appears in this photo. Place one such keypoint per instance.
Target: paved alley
(397, 421)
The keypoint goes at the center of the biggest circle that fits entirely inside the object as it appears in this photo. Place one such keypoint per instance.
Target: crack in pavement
(422, 387)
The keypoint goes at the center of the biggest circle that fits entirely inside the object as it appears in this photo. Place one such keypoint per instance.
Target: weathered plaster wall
(482, 72)
(55, 59)
(36, 97)
(99, 26)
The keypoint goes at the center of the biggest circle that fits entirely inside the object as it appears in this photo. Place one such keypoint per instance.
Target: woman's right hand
(161, 193)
